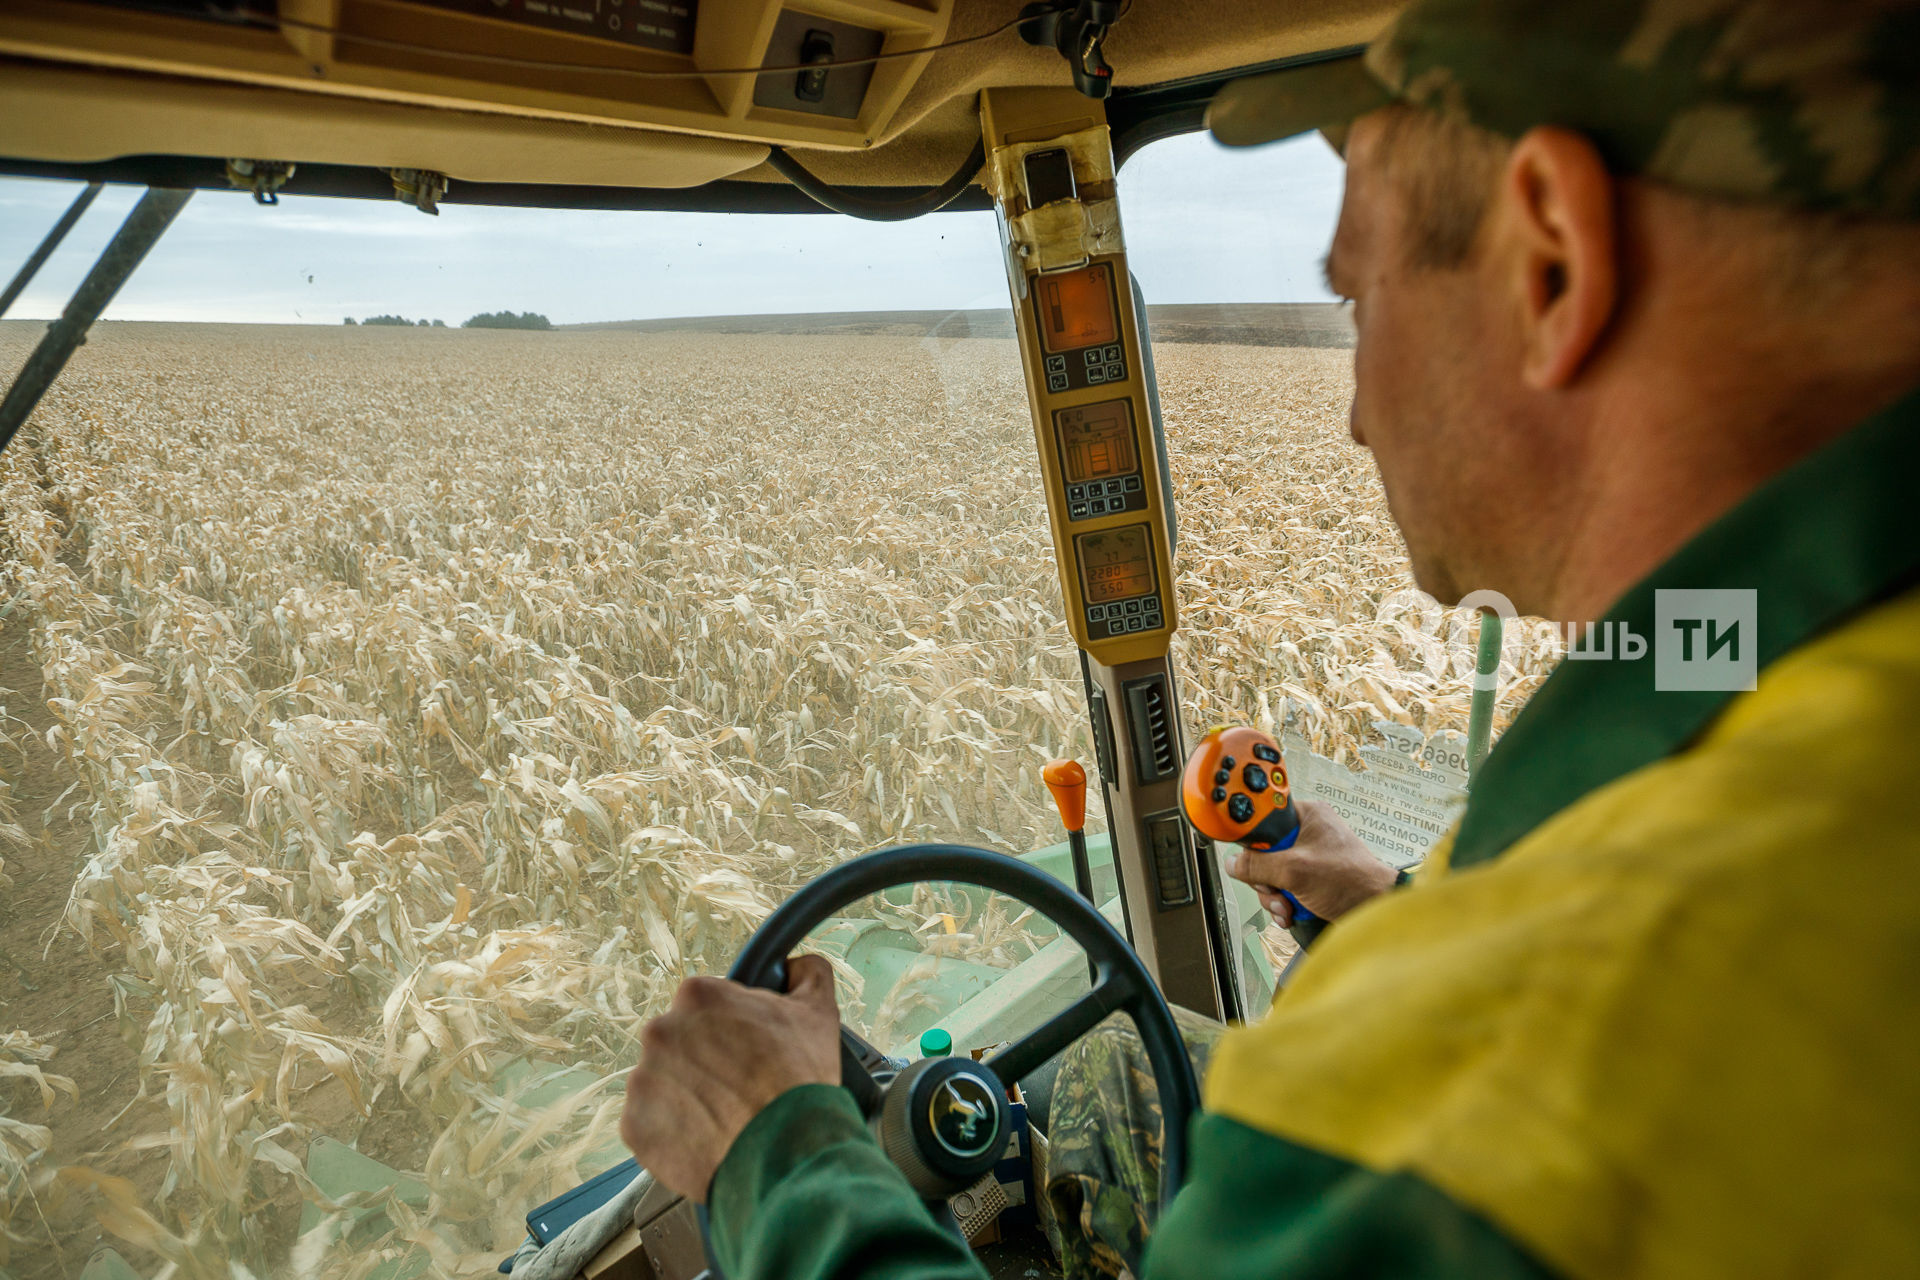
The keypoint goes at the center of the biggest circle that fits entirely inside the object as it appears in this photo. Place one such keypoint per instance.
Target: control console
(1079, 336)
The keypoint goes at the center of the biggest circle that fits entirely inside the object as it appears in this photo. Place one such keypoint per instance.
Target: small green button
(935, 1043)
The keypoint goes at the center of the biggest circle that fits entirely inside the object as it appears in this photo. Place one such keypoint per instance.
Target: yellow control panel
(1082, 353)
(1050, 171)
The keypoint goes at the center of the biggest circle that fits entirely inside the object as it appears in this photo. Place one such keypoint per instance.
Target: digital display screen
(1076, 308)
(1096, 440)
(1115, 563)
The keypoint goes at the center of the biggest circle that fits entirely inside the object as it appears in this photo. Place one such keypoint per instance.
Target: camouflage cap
(1814, 103)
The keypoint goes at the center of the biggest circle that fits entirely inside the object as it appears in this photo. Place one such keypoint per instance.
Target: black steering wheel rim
(1121, 982)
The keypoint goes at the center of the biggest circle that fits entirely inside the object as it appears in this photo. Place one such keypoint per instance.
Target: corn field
(407, 712)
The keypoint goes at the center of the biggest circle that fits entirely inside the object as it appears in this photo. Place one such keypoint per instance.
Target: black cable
(840, 200)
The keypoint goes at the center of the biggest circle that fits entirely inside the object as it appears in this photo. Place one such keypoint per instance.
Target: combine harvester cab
(733, 108)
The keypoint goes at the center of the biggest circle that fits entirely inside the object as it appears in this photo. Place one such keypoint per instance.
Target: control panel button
(1099, 506)
(1115, 373)
(1255, 777)
(1219, 794)
(1262, 751)
(1133, 606)
(1111, 353)
(1240, 808)
(1116, 626)
(1079, 510)
(1133, 624)
(1131, 484)
(1056, 364)
(1113, 486)
(1221, 778)
(1056, 382)
(1096, 612)
(1097, 374)
(1092, 356)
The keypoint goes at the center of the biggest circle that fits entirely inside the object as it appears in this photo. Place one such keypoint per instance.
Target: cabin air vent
(1150, 728)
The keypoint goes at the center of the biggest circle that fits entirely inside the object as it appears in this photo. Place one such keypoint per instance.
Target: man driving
(1637, 296)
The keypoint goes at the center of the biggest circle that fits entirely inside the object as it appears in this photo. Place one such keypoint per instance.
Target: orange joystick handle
(1068, 783)
(1235, 790)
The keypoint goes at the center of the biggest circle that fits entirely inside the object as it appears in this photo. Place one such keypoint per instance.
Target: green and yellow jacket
(1652, 1011)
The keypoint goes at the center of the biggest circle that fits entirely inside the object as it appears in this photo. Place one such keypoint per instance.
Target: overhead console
(656, 64)
(666, 25)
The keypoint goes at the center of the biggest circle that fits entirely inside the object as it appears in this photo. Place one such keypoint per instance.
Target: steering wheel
(945, 1122)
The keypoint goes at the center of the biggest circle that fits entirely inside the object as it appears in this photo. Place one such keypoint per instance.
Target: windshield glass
(397, 711)
(396, 714)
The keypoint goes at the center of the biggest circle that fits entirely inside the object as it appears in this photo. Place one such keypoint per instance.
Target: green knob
(935, 1043)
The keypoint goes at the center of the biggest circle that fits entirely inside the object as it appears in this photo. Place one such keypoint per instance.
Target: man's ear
(1562, 215)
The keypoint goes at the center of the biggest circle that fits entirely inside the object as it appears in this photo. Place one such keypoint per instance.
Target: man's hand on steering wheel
(727, 1049)
(720, 1054)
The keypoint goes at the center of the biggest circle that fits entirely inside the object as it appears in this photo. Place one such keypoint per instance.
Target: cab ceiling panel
(65, 114)
(627, 65)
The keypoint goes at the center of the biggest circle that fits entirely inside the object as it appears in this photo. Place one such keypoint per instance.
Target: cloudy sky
(1204, 224)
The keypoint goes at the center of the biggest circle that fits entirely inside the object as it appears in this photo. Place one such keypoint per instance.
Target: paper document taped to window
(1397, 806)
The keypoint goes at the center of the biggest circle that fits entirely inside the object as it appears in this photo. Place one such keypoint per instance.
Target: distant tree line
(508, 320)
(485, 320)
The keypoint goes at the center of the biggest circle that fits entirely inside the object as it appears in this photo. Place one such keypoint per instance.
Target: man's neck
(1683, 451)
(1727, 365)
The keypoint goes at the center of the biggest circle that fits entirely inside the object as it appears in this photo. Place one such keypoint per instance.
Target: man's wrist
(787, 1132)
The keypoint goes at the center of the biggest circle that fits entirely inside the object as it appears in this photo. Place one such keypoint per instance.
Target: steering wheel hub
(944, 1123)
(962, 1117)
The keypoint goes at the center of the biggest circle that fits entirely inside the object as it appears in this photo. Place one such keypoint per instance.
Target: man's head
(1587, 328)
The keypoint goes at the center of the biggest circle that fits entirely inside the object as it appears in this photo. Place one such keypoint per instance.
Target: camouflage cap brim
(1808, 103)
(1279, 104)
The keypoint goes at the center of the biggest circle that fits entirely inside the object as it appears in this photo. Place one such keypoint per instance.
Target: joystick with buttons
(1235, 790)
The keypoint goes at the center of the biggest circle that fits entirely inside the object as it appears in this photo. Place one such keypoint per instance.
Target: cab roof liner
(866, 95)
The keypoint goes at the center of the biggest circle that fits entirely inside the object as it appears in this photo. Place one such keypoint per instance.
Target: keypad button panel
(1087, 367)
(1095, 498)
(1125, 617)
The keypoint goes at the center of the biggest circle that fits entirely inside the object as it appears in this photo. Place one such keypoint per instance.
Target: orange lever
(1068, 783)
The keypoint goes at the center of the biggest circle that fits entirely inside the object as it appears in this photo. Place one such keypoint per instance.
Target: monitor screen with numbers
(1115, 563)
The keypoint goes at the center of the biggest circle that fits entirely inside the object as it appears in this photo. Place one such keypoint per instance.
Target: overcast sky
(1204, 224)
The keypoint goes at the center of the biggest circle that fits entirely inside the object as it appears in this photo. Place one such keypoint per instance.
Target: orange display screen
(1076, 308)
(1096, 440)
(1115, 563)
